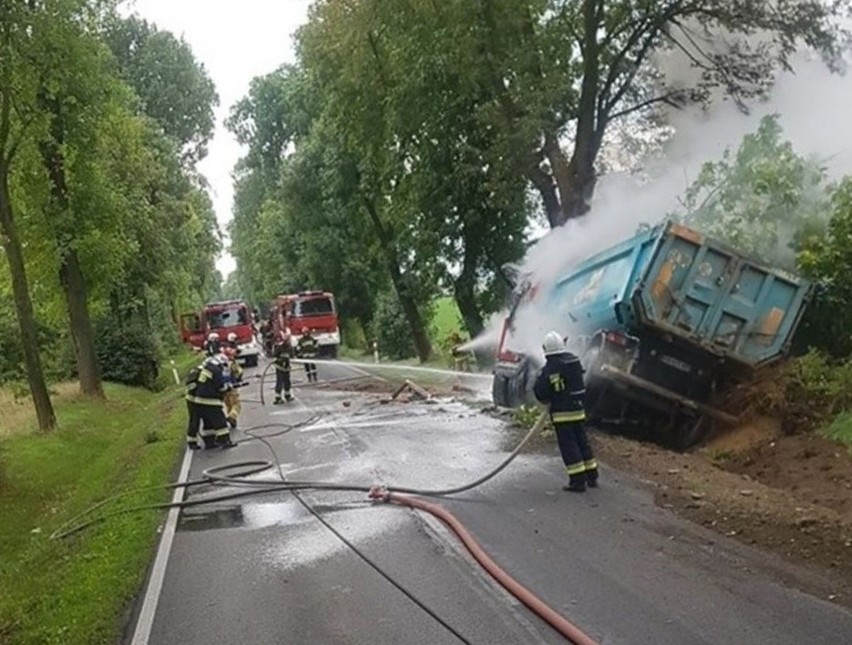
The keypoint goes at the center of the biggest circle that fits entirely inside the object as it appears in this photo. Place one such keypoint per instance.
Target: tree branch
(668, 98)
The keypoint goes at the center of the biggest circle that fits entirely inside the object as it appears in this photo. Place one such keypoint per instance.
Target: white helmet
(232, 337)
(553, 344)
(213, 336)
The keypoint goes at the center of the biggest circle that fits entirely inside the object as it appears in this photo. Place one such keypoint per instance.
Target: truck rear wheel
(251, 360)
(691, 431)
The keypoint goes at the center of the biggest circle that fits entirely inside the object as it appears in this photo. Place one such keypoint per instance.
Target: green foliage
(54, 345)
(127, 110)
(78, 590)
(828, 260)
(390, 328)
(816, 391)
(840, 429)
(127, 352)
(172, 87)
(763, 199)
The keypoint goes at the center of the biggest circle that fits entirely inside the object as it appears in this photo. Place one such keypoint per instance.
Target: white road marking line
(158, 573)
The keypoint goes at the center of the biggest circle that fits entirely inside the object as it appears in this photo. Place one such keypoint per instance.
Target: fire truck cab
(223, 318)
(294, 315)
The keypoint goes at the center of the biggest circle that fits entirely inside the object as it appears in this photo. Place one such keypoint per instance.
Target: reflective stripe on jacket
(561, 385)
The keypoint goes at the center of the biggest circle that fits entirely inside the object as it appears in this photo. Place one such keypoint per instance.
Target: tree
(827, 259)
(763, 199)
(567, 69)
(173, 87)
(16, 49)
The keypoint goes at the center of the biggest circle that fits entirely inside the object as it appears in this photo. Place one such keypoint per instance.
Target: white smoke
(812, 104)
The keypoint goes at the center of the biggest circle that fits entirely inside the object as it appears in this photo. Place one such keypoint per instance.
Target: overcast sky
(236, 40)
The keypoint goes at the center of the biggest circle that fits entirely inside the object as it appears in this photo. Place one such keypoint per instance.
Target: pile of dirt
(808, 467)
(788, 494)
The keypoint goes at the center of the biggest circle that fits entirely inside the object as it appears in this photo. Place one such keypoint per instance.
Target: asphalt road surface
(263, 570)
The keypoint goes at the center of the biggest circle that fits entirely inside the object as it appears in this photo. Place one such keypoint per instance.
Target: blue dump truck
(664, 322)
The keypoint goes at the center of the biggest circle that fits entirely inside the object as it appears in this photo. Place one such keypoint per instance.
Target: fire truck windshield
(313, 307)
(229, 317)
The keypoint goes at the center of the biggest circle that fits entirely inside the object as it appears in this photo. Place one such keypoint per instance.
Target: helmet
(232, 337)
(212, 336)
(553, 344)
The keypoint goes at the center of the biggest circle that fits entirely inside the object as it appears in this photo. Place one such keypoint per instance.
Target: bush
(390, 327)
(127, 353)
(817, 391)
(56, 353)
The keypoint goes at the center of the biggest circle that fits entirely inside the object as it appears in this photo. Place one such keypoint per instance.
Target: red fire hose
(538, 606)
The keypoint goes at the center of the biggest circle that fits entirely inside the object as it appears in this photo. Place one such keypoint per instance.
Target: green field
(78, 590)
(445, 320)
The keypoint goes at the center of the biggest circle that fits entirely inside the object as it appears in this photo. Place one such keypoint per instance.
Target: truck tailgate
(698, 290)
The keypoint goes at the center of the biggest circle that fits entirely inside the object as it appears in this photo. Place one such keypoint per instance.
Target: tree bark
(70, 272)
(465, 296)
(24, 308)
(422, 344)
(74, 286)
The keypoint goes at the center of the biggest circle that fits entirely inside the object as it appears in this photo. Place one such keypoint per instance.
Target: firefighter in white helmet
(560, 384)
(212, 346)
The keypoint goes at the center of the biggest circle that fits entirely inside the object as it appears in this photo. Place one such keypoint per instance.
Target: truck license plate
(675, 363)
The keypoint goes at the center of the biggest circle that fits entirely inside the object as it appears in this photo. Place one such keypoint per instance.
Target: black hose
(355, 549)
(213, 475)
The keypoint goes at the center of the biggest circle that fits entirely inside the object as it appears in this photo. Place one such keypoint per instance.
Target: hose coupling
(379, 493)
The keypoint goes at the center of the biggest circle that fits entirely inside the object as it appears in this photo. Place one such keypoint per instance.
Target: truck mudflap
(637, 386)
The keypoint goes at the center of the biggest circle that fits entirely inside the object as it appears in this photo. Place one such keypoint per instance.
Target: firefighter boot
(278, 400)
(592, 478)
(576, 484)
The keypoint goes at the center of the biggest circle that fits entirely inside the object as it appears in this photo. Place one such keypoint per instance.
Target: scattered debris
(413, 389)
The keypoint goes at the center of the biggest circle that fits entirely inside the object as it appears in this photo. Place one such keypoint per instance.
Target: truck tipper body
(661, 322)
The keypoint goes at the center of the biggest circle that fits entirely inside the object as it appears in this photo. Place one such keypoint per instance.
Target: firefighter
(232, 396)
(308, 348)
(213, 344)
(232, 341)
(560, 384)
(206, 389)
(281, 354)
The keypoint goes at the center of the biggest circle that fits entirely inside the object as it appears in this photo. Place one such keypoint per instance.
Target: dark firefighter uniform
(308, 348)
(561, 385)
(205, 390)
(212, 346)
(282, 372)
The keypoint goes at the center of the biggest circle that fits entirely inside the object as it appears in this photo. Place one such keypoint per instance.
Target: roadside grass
(18, 411)
(840, 429)
(78, 590)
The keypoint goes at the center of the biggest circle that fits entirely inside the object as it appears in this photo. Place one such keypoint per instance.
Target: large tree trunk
(24, 308)
(74, 285)
(422, 344)
(70, 272)
(466, 300)
(576, 179)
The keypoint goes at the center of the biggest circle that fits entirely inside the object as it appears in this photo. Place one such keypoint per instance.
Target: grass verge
(77, 591)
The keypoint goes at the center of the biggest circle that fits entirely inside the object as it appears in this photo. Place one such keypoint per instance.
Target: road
(263, 570)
